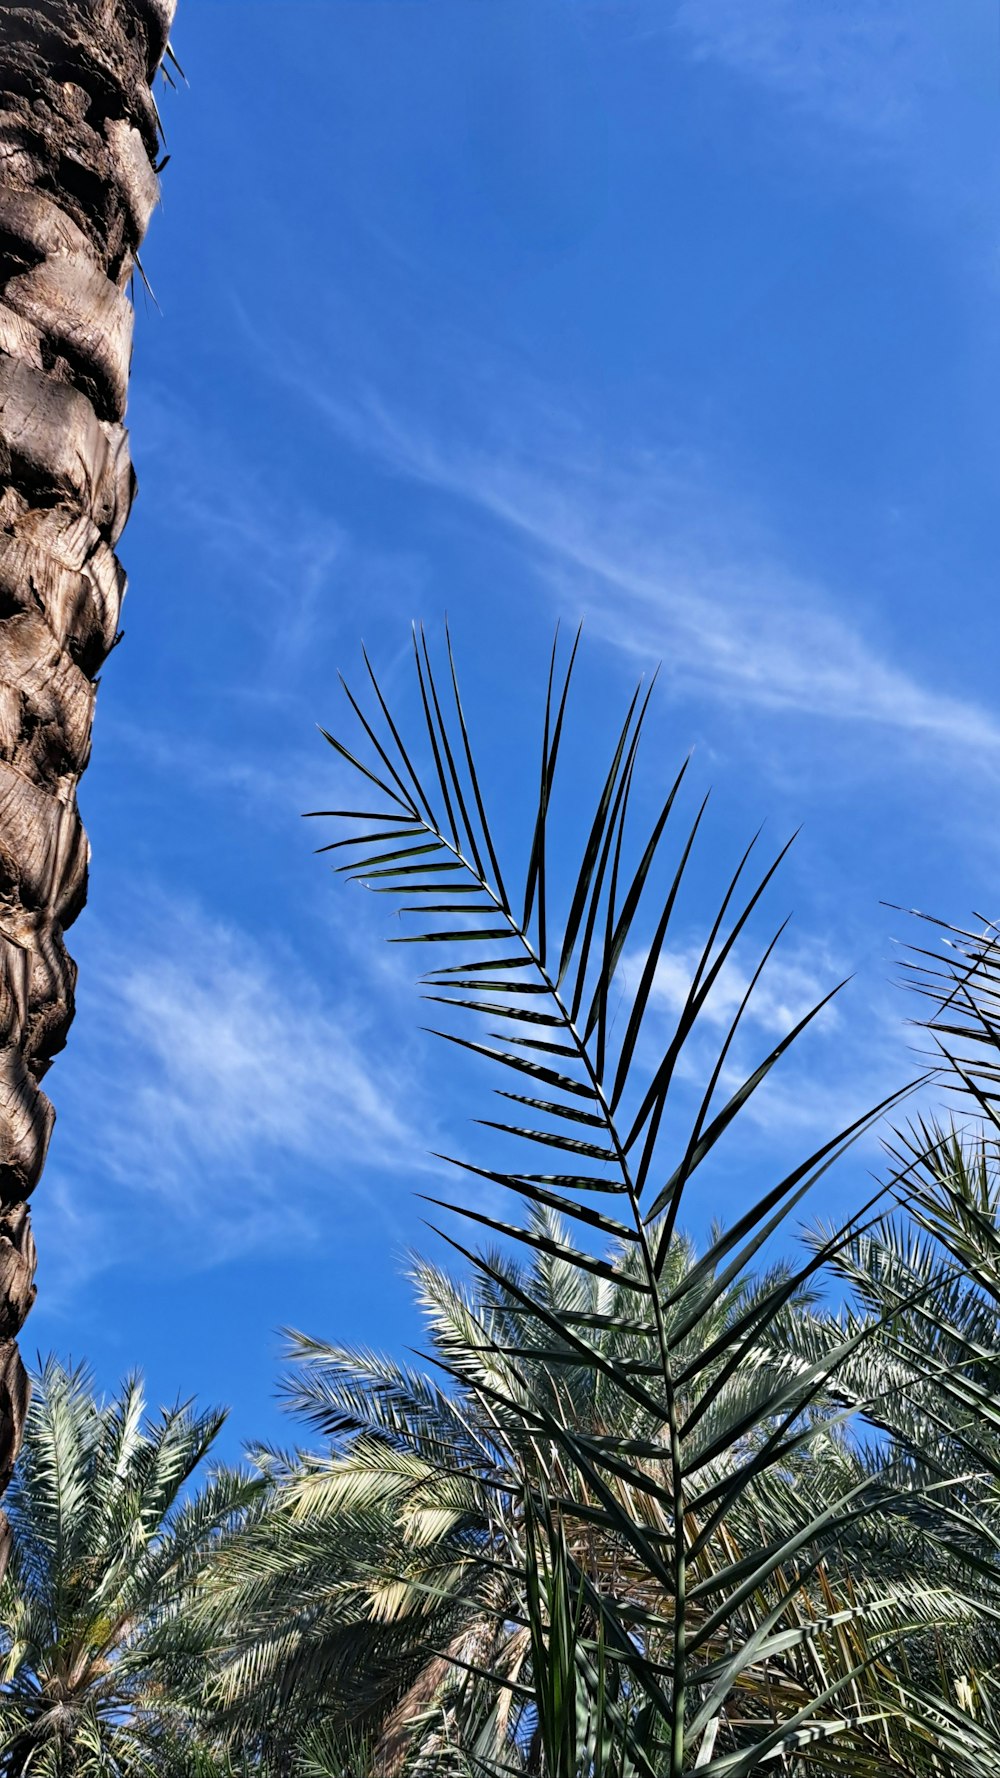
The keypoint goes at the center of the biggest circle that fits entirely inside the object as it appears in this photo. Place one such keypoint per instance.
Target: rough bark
(79, 139)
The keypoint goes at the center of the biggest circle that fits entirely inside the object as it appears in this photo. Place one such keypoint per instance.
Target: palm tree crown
(107, 1541)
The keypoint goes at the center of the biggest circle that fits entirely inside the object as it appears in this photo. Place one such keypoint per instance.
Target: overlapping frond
(106, 1551)
(554, 986)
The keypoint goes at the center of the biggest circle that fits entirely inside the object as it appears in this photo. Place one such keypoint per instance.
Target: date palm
(98, 1673)
(395, 1589)
(618, 1424)
(939, 1367)
(79, 146)
(398, 1553)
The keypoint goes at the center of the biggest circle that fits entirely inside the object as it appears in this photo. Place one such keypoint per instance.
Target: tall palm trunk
(78, 147)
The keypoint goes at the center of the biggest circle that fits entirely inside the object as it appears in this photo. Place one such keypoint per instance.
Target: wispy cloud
(694, 578)
(294, 578)
(901, 85)
(286, 558)
(226, 1103)
(278, 781)
(277, 593)
(241, 1063)
(838, 1068)
(862, 65)
(793, 983)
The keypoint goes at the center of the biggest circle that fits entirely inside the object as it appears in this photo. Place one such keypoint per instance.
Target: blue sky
(678, 318)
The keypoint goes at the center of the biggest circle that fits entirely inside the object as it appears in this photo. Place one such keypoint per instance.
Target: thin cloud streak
(900, 88)
(792, 985)
(731, 622)
(863, 67)
(206, 1070)
(290, 558)
(822, 1085)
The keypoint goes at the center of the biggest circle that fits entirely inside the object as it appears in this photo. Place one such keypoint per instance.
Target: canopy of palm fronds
(96, 1668)
(658, 1441)
(639, 1508)
(391, 1588)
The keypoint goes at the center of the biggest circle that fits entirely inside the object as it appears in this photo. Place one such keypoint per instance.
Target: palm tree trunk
(78, 146)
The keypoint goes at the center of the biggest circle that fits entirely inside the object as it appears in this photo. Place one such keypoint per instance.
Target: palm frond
(714, 1424)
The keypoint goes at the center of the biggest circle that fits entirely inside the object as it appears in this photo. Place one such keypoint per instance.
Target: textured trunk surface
(78, 149)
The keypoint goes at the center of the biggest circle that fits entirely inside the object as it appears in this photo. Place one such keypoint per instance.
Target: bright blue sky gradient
(680, 318)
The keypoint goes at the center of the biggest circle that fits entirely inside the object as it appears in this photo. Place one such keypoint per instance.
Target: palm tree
(78, 183)
(621, 1426)
(388, 1593)
(931, 1377)
(99, 1672)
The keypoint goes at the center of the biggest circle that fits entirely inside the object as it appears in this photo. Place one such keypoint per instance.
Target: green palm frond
(712, 1423)
(651, 1510)
(98, 1660)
